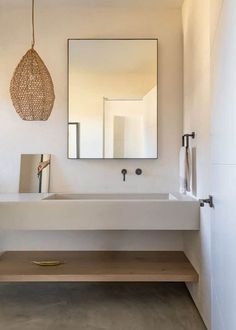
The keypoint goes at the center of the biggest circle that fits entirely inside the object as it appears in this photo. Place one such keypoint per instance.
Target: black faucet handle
(124, 172)
(138, 171)
(207, 201)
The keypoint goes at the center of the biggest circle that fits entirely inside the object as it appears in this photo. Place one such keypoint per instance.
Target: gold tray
(48, 262)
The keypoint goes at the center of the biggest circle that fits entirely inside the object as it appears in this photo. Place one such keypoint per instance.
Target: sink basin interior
(154, 196)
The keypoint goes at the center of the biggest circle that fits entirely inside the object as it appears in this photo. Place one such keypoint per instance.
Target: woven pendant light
(31, 88)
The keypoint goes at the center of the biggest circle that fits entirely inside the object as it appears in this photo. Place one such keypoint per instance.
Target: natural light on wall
(113, 98)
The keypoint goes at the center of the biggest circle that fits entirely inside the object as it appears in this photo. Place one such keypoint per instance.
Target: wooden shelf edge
(97, 266)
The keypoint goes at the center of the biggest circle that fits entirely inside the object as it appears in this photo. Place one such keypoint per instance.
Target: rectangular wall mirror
(112, 105)
(34, 173)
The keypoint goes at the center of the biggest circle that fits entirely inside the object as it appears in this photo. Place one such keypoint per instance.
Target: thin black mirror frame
(68, 88)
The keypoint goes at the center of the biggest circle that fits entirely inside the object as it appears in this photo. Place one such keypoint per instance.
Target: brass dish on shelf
(48, 262)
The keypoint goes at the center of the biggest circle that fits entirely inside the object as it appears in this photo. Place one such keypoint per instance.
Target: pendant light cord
(33, 36)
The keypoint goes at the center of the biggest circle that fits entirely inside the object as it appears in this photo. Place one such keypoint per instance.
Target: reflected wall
(112, 98)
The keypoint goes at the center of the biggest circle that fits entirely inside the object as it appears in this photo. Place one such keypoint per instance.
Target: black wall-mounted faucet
(207, 201)
(124, 172)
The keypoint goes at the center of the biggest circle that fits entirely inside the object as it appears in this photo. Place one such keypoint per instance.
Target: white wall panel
(54, 24)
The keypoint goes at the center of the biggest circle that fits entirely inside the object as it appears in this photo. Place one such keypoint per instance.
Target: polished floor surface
(107, 306)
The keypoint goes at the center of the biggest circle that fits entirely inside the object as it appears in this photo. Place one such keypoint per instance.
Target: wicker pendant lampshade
(31, 88)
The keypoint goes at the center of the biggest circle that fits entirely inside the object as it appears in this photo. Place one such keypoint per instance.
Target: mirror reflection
(112, 98)
(34, 173)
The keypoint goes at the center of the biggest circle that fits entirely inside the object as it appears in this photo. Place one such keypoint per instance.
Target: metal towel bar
(185, 138)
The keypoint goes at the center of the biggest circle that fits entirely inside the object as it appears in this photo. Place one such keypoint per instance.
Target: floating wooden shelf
(87, 266)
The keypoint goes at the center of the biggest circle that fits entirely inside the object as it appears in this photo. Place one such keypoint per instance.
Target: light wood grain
(97, 266)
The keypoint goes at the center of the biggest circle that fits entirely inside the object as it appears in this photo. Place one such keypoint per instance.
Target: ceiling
(114, 56)
(158, 4)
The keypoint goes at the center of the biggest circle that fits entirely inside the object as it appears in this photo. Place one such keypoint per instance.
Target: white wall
(139, 130)
(87, 240)
(196, 29)
(223, 55)
(54, 24)
(150, 120)
(209, 109)
(132, 112)
(87, 92)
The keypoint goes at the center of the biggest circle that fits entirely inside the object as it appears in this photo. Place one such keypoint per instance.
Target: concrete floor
(108, 306)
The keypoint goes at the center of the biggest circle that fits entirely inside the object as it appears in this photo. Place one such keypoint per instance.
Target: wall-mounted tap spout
(207, 201)
(124, 172)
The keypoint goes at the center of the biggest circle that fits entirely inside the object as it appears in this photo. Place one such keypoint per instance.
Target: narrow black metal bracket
(207, 201)
(185, 139)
